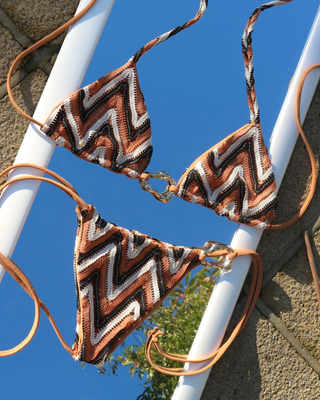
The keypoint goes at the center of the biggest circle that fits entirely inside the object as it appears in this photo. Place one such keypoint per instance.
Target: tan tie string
(36, 46)
(152, 341)
(18, 274)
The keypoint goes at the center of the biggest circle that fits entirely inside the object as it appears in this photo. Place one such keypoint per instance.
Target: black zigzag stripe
(101, 323)
(248, 147)
(105, 130)
(177, 253)
(100, 320)
(270, 207)
(116, 239)
(194, 176)
(105, 352)
(124, 87)
(119, 279)
(238, 184)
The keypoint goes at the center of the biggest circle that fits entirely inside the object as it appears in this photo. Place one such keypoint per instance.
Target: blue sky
(194, 89)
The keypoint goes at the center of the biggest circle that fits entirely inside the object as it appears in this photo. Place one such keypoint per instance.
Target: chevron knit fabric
(235, 179)
(106, 123)
(121, 277)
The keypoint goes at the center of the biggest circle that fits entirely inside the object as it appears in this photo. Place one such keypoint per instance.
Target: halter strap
(309, 197)
(35, 46)
(62, 184)
(167, 35)
(248, 58)
(152, 341)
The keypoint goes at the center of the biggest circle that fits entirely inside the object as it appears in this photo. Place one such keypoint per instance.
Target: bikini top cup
(107, 121)
(121, 277)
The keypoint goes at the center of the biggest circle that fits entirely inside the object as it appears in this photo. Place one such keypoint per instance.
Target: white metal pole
(225, 295)
(36, 148)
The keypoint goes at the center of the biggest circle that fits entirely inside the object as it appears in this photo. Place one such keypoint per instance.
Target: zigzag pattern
(106, 123)
(121, 276)
(235, 179)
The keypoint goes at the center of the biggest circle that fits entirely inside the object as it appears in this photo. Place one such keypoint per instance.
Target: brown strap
(43, 169)
(36, 46)
(312, 265)
(16, 272)
(253, 294)
(310, 152)
(24, 282)
(64, 185)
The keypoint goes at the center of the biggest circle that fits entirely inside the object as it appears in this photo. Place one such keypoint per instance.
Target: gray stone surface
(12, 125)
(50, 15)
(292, 297)
(9, 50)
(261, 364)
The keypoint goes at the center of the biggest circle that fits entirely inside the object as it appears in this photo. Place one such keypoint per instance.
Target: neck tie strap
(167, 35)
(247, 53)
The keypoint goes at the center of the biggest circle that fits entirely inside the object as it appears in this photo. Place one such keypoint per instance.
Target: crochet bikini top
(107, 123)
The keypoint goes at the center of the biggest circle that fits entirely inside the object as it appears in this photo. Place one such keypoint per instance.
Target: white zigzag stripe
(132, 307)
(130, 73)
(150, 266)
(88, 101)
(114, 292)
(212, 196)
(176, 265)
(81, 142)
(95, 257)
(229, 209)
(93, 233)
(262, 205)
(246, 210)
(132, 252)
(237, 172)
(254, 132)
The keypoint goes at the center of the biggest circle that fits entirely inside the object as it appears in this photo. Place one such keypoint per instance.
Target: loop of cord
(18, 274)
(152, 341)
